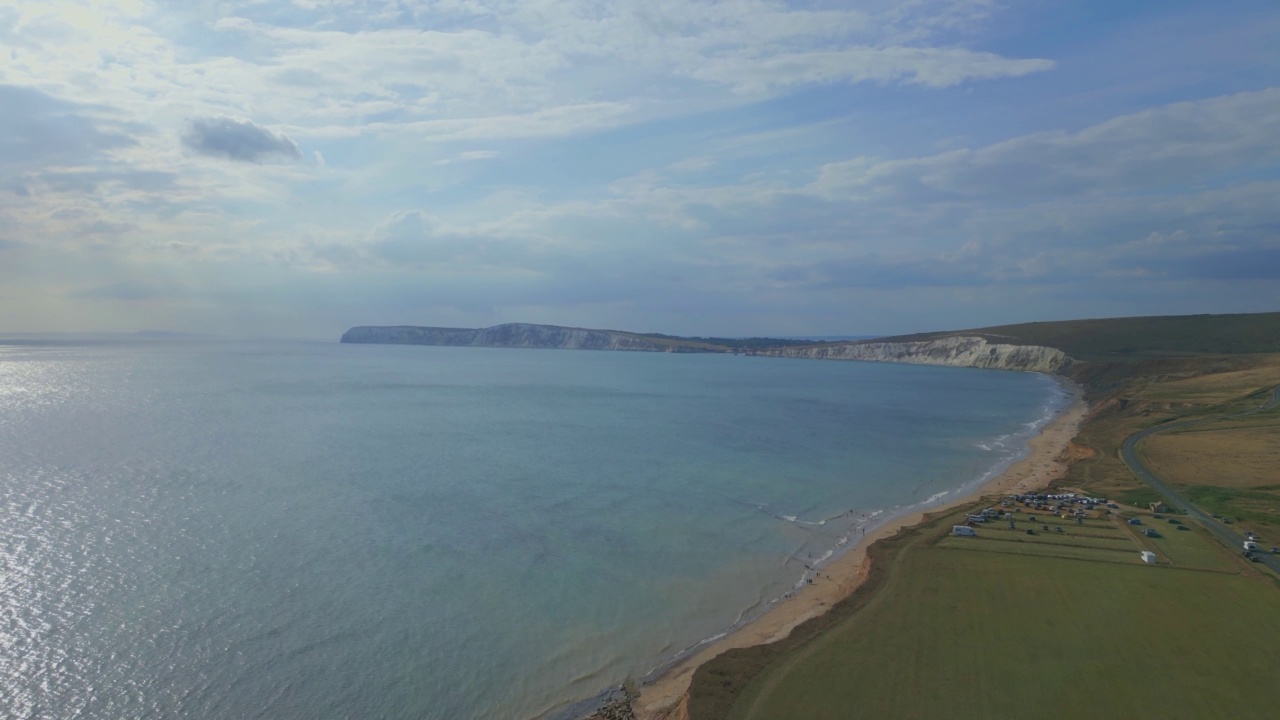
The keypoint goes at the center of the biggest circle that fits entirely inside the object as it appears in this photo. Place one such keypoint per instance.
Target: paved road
(1234, 540)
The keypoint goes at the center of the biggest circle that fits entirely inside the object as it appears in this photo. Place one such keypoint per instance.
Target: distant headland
(1051, 347)
(960, 351)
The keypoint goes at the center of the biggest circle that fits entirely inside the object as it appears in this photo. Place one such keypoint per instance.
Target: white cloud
(1168, 145)
(508, 127)
(1045, 207)
(538, 60)
(932, 67)
(418, 77)
(469, 156)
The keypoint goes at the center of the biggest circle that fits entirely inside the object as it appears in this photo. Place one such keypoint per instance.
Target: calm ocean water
(305, 530)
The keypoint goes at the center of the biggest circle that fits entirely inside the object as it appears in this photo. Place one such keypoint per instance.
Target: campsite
(1088, 600)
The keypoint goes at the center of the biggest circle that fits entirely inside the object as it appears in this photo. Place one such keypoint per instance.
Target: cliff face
(514, 335)
(953, 351)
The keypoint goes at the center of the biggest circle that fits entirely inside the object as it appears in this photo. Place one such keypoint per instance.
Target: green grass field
(1255, 508)
(962, 627)
(1191, 549)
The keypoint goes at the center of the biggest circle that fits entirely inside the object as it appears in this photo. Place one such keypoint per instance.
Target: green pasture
(1190, 549)
(1257, 508)
(1082, 552)
(1045, 627)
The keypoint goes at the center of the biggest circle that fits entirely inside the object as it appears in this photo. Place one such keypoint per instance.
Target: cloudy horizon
(735, 168)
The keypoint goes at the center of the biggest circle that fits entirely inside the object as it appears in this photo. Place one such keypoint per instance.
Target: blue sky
(732, 168)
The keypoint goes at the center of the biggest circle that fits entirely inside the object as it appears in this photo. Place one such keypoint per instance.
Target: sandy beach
(662, 697)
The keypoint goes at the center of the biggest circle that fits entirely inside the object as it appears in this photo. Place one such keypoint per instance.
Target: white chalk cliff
(956, 351)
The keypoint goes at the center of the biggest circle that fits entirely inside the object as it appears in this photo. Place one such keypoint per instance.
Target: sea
(285, 529)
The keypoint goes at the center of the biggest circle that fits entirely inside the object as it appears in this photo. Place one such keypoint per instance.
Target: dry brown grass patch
(1243, 458)
(1218, 387)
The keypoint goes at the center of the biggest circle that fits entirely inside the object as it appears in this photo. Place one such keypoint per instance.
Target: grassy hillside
(1104, 340)
(1137, 338)
(1128, 397)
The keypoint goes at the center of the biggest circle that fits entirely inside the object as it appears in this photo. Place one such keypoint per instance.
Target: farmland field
(960, 628)
(1245, 457)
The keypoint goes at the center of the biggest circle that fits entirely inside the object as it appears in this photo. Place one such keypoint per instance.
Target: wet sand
(663, 696)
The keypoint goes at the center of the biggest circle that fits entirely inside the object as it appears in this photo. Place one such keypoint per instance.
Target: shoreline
(662, 696)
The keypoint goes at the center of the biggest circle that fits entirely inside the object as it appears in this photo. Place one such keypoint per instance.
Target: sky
(746, 167)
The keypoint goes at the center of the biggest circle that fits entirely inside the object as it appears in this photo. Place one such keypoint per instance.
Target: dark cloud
(238, 140)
